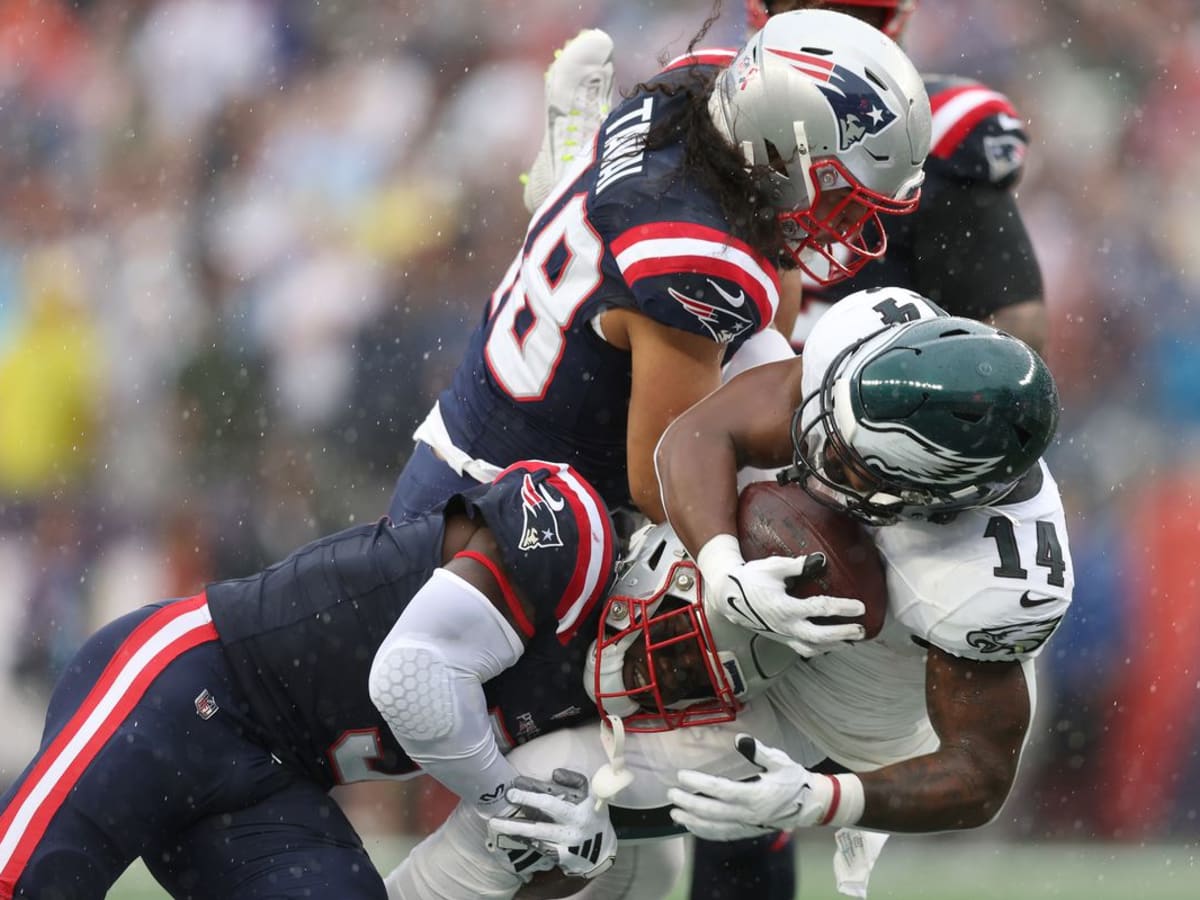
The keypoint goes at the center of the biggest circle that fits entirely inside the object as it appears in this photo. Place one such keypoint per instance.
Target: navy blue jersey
(631, 230)
(301, 636)
(965, 247)
(977, 134)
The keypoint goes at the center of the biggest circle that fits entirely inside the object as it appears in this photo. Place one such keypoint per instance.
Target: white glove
(754, 595)
(784, 797)
(562, 821)
(519, 858)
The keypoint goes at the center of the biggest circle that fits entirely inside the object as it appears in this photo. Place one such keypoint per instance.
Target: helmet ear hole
(879, 82)
(775, 159)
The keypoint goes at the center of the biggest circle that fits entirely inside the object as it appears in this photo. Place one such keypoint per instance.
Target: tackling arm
(672, 369)
(427, 677)
(981, 713)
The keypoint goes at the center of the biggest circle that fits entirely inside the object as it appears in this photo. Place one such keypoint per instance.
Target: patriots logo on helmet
(539, 526)
(723, 324)
(858, 107)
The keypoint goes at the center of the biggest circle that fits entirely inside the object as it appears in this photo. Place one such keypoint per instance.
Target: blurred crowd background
(242, 243)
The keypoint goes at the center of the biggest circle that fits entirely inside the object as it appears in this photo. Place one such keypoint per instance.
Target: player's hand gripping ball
(783, 520)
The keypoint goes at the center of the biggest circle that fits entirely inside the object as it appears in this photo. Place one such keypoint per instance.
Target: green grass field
(943, 869)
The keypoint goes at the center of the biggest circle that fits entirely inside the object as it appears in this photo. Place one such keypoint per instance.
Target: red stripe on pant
(18, 839)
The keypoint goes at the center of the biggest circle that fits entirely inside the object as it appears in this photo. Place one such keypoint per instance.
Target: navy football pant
(425, 481)
(762, 867)
(146, 753)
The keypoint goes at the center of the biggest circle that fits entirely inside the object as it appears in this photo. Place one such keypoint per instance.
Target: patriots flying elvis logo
(857, 105)
(723, 324)
(539, 526)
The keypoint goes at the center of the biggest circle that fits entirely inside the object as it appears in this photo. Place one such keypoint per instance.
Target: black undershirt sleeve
(972, 254)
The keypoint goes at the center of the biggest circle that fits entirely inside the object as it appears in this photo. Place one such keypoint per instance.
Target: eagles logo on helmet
(921, 418)
(895, 13)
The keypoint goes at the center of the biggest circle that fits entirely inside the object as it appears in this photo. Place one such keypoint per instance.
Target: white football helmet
(658, 599)
(819, 101)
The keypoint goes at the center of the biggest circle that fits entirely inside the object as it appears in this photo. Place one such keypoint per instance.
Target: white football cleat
(579, 87)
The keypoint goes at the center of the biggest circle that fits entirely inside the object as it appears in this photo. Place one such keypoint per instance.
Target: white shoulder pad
(991, 585)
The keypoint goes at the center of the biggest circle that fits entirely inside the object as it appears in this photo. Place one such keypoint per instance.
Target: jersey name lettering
(621, 156)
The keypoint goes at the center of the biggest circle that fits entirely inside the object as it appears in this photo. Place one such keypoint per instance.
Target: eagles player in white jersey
(931, 429)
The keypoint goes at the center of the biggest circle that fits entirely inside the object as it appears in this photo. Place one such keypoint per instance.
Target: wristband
(720, 555)
(846, 803)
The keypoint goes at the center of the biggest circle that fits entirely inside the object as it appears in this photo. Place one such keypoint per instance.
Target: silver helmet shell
(819, 101)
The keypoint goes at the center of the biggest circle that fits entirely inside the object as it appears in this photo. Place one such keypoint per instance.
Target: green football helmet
(923, 419)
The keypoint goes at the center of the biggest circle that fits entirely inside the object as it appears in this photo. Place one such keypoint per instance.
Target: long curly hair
(711, 161)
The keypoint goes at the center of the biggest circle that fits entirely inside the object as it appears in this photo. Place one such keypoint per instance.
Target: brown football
(783, 520)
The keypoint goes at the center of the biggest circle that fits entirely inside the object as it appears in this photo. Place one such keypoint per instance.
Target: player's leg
(425, 481)
(579, 86)
(97, 791)
(763, 868)
(641, 871)
(295, 843)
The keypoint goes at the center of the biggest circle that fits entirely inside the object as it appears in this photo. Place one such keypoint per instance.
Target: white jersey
(991, 585)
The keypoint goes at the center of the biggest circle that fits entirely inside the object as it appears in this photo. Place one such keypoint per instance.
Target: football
(783, 520)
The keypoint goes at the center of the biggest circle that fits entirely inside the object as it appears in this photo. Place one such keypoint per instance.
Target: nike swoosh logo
(1030, 602)
(748, 613)
(555, 505)
(733, 301)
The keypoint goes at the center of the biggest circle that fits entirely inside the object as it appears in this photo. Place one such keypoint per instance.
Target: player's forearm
(941, 791)
(427, 682)
(697, 473)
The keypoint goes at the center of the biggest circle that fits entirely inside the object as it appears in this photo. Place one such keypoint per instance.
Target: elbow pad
(427, 683)
(413, 688)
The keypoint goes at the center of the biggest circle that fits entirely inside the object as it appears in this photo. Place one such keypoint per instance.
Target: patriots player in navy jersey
(966, 246)
(656, 256)
(203, 734)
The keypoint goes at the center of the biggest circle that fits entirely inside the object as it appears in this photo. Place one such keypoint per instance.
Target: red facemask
(683, 681)
(835, 244)
(894, 19)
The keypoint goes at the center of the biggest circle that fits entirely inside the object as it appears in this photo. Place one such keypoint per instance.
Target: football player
(203, 734)
(655, 256)
(966, 246)
(930, 429)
